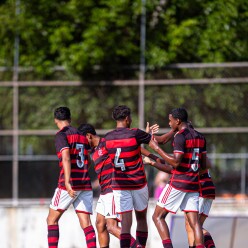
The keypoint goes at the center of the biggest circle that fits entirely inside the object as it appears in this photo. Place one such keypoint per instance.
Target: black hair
(86, 128)
(180, 113)
(121, 112)
(62, 113)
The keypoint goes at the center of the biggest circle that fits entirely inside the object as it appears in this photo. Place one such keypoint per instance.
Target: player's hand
(152, 129)
(147, 160)
(70, 191)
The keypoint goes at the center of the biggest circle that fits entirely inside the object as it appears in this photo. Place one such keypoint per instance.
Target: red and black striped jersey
(207, 188)
(123, 146)
(103, 167)
(70, 138)
(191, 144)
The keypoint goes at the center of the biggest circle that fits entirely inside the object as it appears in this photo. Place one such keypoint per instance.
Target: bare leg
(113, 228)
(54, 216)
(159, 221)
(208, 240)
(126, 222)
(88, 229)
(190, 233)
(103, 235)
(142, 228)
(84, 220)
(125, 239)
(53, 228)
(194, 223)
(141, 220)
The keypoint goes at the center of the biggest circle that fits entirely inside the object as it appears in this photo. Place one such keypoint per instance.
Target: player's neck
(63, 124)
(120, 124)
(182, 126)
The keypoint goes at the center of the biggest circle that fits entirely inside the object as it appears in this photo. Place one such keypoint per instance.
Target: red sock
(208, 241)
(125, 240)
(90, 236)
(133, 242)
(141, 238)
(53, 236)
(199, 246)
(167, 243)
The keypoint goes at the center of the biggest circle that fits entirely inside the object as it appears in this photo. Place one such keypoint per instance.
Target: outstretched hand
(152, 129)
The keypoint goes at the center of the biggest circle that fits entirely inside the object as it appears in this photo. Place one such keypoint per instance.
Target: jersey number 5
(119, 162)
(80, 163)
(195, 157)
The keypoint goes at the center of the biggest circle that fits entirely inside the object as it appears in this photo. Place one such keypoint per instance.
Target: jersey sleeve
(61, 142)
(179, 143)
(142, 137)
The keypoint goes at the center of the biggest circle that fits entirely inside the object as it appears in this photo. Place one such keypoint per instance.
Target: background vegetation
(96, 40)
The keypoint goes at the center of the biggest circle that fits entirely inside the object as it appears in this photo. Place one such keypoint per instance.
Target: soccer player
(106, 219)
(183, 191)
(129, 182)
(74, 186)
(207, 189)
(207, 195)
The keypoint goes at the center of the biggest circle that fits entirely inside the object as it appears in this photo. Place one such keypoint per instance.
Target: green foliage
(98, 40)
(83, 35)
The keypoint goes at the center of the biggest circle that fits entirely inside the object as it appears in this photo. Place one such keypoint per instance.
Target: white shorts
(127, 200)
(81, 203)
(106, 206)
(205, 205)
(172, 199)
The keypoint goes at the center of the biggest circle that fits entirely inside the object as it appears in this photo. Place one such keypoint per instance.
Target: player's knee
(51, 221)
(155, 218)
(100, 226)
(111, 229)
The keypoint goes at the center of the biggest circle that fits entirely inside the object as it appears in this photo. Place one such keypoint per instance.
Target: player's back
(70, 138)
(192, 144)
(123, 145)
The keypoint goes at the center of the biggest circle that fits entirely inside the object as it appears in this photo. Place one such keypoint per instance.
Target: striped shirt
(207, 188)
(70, 138)
(191, 144)
(103, 167)
(123, 146)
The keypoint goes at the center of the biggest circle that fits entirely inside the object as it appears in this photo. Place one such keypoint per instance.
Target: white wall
(25, 227)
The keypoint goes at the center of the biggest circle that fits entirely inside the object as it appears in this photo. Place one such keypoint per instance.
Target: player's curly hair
(86, 128)
(62, 113)
(180, 113)
(121, 112)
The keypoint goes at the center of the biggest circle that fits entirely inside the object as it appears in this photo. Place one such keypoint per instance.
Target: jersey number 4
(80, 163)
(119, 162)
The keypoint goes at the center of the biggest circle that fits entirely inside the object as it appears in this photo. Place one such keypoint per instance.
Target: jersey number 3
(119, 162)
(80, 162)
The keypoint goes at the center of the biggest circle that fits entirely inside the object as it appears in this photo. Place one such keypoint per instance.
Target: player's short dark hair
(121, 112)
(86, 128)
(62, 113)
(180, 113)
